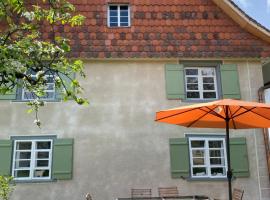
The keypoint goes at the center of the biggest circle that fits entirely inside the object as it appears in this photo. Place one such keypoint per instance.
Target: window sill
(35, 181)
(113, 27)
(206, 179)
(198, 101)
(46, 101)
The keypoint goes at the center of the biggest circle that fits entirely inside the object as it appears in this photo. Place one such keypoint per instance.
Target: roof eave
(243, 20)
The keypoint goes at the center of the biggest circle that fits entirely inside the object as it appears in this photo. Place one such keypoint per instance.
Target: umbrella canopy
(226, 113)
(241, 115)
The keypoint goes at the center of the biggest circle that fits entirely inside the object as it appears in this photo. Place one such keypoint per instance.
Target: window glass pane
(113, 24)
(23, 163)
(198, 153)
(193, 95)
(123, 13)
(215, 161)
(113, 20)
(123, 19)
(124, 7)
(44, 145)
(199, 171)
(48, 95)
(191, 71)
(192, 86)
(43, 155)
(209, 95)
(123, 24)
(198, 161)
(192, 80)
(41, 173)
(208, 86)
(49, 86)
(197, 143)
(42, 163)
(208, 72)
(50, 79)
(22, 173)
(113, 7)
(216, 153)
(113, 13)
(23, 155)
(24, 145)
(208, 80)
(215, 144)
(219, 171)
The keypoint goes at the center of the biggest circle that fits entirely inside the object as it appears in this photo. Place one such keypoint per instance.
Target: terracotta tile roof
(160, 29)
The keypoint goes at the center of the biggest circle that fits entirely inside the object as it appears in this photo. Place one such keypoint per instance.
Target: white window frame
(207, 164)
(32, 167)
(25, 98)
(200, 83)
(118, 15)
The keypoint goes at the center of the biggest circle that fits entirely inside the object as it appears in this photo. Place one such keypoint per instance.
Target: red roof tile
(161, 29)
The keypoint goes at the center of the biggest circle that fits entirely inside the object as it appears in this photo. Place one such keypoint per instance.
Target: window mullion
(208, 158)
(32, 163)
(200, 82)
(118, 14)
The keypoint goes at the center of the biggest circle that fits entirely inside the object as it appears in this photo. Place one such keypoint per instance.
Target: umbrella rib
(210, 110)
(215, 113)
(247, 110)
(175, 114)
(236, 111)
(234, 125)
(259, 115)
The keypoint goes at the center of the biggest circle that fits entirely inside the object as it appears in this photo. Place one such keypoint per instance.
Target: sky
(257, 9)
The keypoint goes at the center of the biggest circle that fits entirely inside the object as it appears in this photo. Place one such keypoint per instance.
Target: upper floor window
(118, 15)
(49, 90)
(32, 159)
(201, 83)
(207, 157)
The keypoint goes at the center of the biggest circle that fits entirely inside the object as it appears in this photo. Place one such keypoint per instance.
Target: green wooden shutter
(239, 157)
(179, 154)
(175, 85)
(62, 159)
(229, 81)
(67, 83)
(5, 157)
(10, 95)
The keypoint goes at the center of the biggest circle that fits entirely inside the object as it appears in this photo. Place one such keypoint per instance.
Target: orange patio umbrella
(226, 113)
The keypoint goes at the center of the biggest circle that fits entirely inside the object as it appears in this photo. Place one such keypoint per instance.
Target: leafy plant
(6, 187)
(23, 51)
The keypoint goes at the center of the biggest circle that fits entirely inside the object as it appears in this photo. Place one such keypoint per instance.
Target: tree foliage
(6, 187)
(23, 51)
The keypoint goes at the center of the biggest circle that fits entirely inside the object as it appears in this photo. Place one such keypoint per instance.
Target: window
(118, 15)
(207, 157)
(201, 83)
(49, 90)
(32, 159)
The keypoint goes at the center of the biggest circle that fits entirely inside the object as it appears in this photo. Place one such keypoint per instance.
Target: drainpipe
(265, 131)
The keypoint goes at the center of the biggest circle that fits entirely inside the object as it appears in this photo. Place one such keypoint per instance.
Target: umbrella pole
(229, 172)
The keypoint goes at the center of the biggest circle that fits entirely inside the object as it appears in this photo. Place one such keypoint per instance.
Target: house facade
(142, 56)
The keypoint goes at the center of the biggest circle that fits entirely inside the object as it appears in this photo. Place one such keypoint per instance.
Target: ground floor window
(32, 159)
(207, 157)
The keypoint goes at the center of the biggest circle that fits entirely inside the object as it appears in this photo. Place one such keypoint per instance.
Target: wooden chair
(168, 192)
(238, 194)
(140, 193)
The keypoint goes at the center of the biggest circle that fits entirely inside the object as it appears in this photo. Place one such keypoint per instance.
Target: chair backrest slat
(168, 192)
(135, 193)
(237, 194)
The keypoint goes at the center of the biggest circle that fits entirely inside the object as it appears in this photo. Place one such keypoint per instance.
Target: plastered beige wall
(118, 146)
